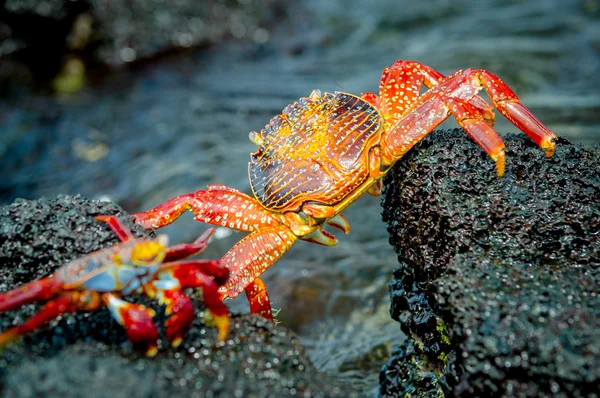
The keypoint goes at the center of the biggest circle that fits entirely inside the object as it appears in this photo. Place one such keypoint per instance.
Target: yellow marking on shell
(315, 151)
(147, 253)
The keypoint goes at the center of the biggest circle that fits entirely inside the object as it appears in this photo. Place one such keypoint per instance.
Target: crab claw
(321, 237)
(64, 302)
(184, 250)
(340, 222)
(181, 316)
(192, 274)
(137, 321)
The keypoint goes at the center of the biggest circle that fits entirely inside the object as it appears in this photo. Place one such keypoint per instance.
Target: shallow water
(146, 134)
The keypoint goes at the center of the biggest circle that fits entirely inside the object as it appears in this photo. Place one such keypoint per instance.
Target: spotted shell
(315, 151)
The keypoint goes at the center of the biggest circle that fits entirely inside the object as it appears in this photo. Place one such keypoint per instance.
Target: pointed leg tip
(8, 337)
(176, 342)
(549, 145)
(500, 160)
(205, 237)
(151, 351)
(321, 237)
(222, 324)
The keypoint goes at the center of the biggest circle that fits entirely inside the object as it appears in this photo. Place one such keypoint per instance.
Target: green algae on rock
(498, 278)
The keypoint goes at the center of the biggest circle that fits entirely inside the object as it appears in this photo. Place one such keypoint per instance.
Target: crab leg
(184, 250)
(206, 274)
(217, 205)
(176, 252)
(259, 299)
(510, 106)
(400, 86)
(63, 303)
(179, 307)
(120, 229)
(453, 98)
(249, 258)
(42, 289)
(181, 316)
(137, 321)
(432, 77)
(411, 129)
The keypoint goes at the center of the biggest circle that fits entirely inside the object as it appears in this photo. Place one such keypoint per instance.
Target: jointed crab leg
(250, 257)
(509, 105)
(181, 315)
(455, 95)
(117, 226)
(42, 289)
(259, 298)
(400, 86)
(184, 250)
(64, 302)
(218, 205)
(432, 77)
(175, 252)
(191, 274)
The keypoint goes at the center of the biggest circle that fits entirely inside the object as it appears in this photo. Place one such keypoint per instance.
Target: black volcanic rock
(498, 279)
(88, 354)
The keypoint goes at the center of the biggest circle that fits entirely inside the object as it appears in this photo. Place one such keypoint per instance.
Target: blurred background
(137, 101)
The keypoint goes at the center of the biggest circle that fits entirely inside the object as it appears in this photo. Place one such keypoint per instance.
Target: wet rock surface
(88, 353)
(498, 280)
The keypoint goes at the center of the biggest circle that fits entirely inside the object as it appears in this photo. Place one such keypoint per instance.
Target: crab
(135, 265)
(324, 151)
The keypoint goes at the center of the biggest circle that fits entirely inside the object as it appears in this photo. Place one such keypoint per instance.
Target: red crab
(134, 266)
(325, 151)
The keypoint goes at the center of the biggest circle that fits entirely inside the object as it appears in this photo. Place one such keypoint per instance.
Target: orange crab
(324, 151)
